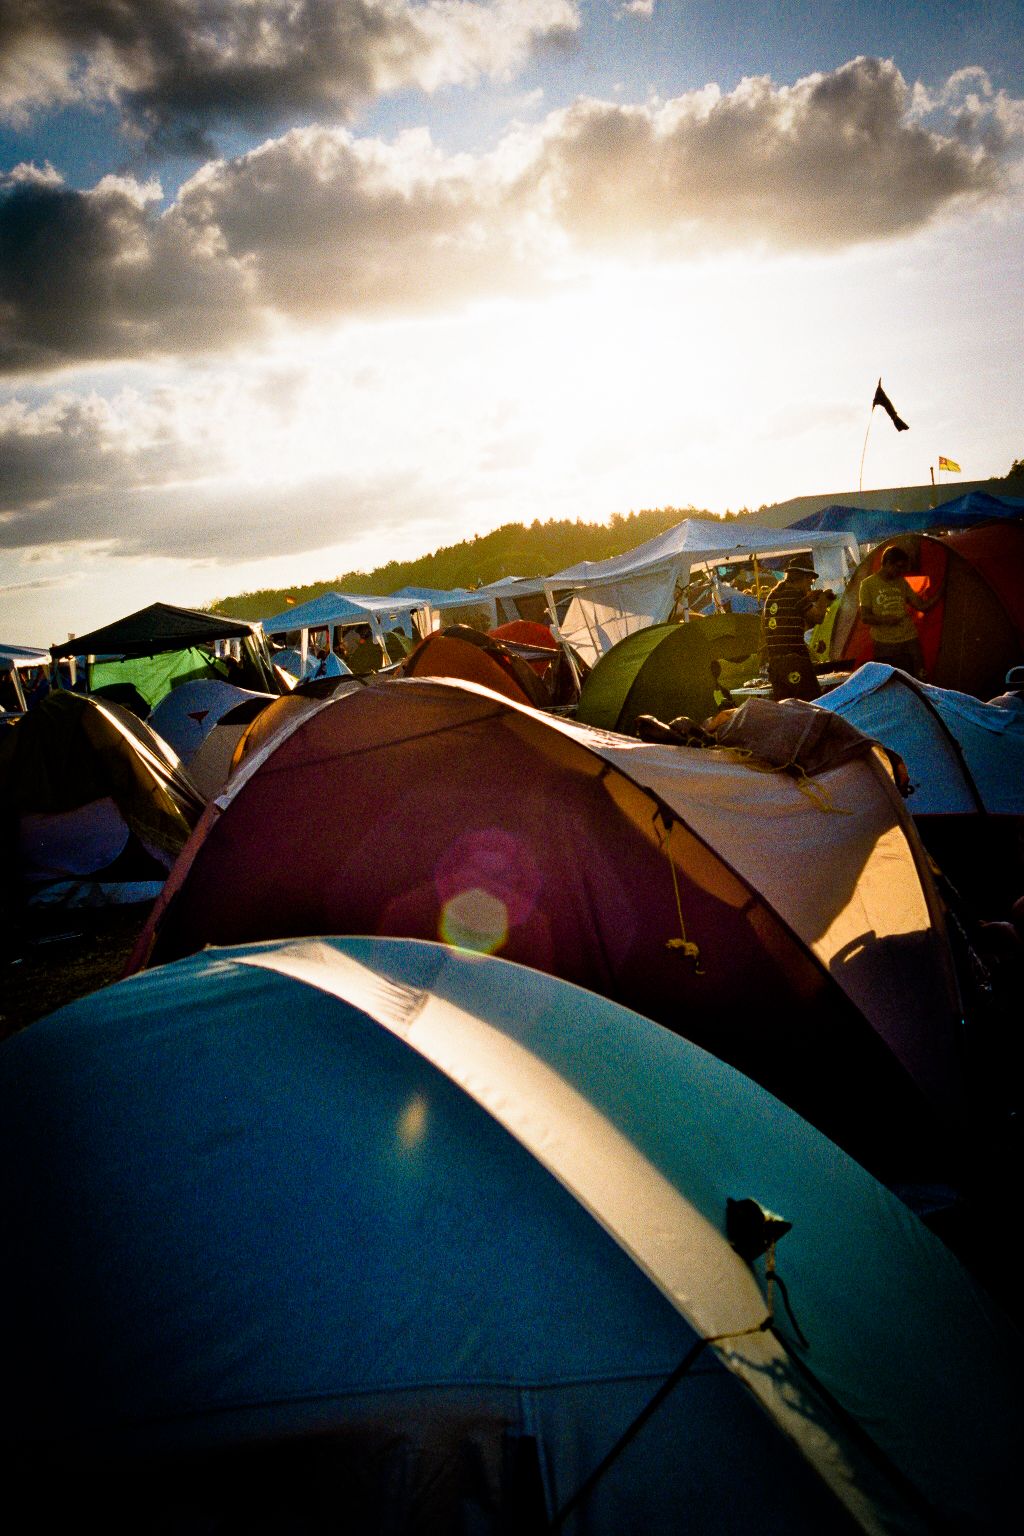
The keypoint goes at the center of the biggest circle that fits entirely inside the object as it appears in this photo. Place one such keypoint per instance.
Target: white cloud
(834, 160)
(321, 225)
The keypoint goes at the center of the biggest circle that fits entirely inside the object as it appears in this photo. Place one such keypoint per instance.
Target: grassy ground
(49, 958)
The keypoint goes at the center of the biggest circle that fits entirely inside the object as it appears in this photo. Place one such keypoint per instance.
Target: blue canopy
(23, 656)
(868, 526)
(330, 608)
(317, 1184)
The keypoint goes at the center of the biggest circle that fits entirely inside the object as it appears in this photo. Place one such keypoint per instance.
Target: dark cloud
(187, 522)
(100, 274)
(319, 224)
(73, 448)
(178, 69)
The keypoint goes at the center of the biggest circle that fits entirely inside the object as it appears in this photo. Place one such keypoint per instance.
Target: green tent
(666, 670)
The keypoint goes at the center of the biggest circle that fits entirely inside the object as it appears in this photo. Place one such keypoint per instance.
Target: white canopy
(505, 592)
(610, 599)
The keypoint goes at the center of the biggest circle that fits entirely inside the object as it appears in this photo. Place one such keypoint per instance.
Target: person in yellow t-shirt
(885, 600)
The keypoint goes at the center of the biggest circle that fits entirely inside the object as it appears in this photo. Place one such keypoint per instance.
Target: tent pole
(629, 1434)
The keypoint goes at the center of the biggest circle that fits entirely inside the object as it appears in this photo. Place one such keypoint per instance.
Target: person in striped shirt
(789, 610)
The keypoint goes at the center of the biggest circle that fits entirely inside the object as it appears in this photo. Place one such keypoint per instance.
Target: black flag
(882, 399)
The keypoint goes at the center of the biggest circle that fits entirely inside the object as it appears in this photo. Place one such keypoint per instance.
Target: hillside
(512, 550)
(516, 549)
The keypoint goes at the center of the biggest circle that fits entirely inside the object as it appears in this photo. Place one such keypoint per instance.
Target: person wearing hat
(790, 609)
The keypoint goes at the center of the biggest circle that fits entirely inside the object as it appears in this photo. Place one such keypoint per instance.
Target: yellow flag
(950, 464)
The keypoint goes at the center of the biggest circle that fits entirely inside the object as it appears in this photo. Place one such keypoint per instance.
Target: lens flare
(487, 883)
(476, 920)
(412, 1123)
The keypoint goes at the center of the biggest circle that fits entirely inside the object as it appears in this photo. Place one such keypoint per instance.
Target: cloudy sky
(290, 287)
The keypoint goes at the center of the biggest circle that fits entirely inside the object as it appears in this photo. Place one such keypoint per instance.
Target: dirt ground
(49, 958)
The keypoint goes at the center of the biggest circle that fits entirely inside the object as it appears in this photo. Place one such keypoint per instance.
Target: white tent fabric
(963, 756)
(610, 599)
(863, 901)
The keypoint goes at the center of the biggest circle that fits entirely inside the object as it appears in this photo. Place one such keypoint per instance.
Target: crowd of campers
(557, 940)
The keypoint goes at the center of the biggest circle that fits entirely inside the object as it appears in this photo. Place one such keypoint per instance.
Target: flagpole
(860, 484)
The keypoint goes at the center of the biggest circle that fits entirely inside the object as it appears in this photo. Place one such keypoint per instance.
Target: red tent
(531, 638)
(469, 656)
(975, 633)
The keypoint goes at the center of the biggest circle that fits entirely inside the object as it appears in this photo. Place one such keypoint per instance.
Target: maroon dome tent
(424, 809)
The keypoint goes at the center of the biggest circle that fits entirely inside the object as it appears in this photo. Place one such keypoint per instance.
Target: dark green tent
(666, 670)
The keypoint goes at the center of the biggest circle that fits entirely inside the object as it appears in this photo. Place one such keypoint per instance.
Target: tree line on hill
(515, 549)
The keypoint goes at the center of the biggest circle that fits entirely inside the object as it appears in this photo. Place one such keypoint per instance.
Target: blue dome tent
(425, 1234)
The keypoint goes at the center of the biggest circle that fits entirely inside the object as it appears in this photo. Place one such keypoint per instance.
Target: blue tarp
(869, 526)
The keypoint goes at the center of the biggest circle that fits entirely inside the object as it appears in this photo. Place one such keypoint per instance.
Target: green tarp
(155, 676)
